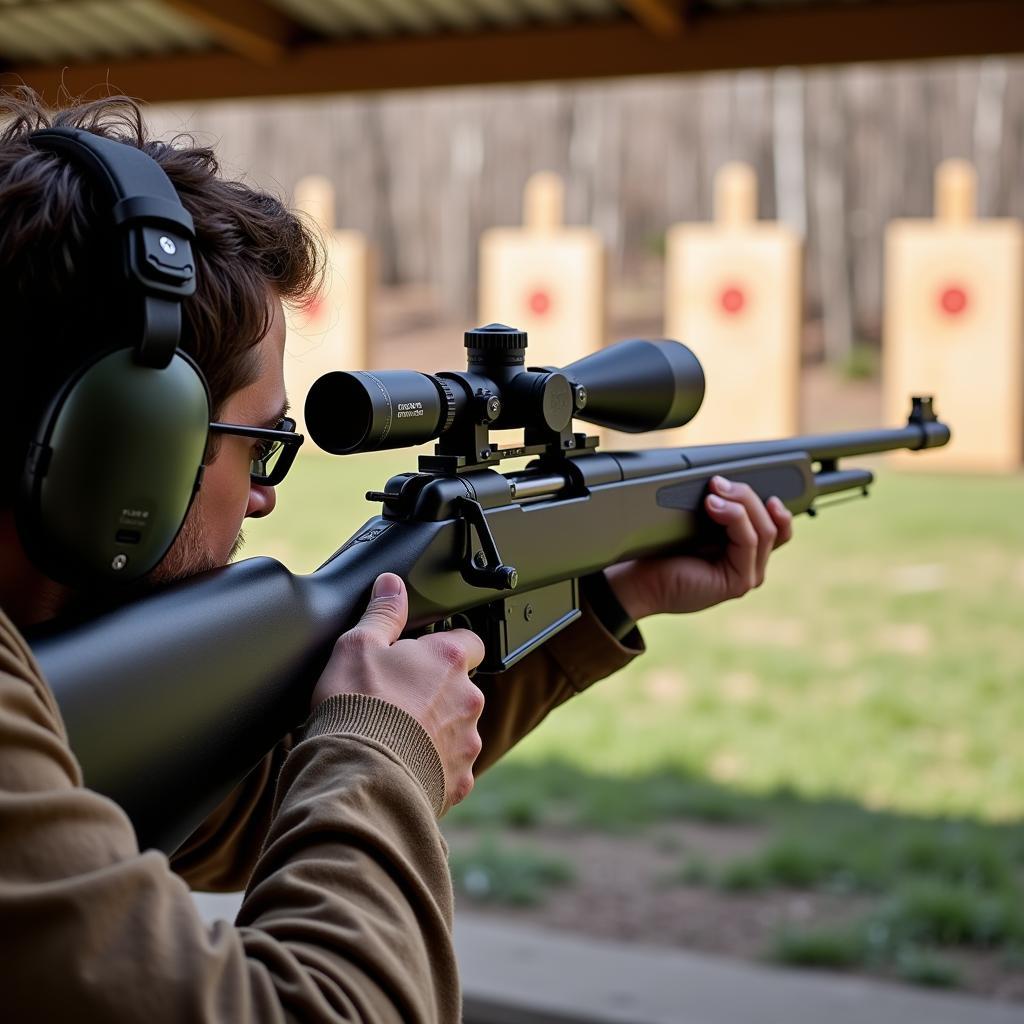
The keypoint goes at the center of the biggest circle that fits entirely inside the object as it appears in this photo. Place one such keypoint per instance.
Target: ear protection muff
(117, 457)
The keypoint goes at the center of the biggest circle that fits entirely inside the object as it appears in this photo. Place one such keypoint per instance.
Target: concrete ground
(519, 975)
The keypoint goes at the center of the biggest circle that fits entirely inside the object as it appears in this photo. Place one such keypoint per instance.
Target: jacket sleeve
(347, 916)
(221, 854)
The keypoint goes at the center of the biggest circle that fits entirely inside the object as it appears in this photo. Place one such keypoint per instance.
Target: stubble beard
(190, 554)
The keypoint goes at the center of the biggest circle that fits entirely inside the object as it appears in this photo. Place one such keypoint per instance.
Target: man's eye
(261, 449)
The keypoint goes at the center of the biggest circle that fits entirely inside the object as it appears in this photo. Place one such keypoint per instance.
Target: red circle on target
(732, 299)
(539, 302)
(953, 300)
(313, 307)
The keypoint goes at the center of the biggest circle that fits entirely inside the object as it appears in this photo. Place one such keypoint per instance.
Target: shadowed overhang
(167, 50)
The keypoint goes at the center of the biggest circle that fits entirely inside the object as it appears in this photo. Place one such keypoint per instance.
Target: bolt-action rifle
(170, 699)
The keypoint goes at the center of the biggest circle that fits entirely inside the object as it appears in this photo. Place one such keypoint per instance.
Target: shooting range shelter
(188, 50)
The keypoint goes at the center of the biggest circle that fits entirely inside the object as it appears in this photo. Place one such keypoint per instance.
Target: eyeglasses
(274, 454)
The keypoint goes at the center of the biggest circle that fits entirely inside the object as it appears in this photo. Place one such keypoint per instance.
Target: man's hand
(688, 584)
(427, 677)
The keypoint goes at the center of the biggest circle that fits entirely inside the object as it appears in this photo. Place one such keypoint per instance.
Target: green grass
(492, 872)
(945, 915)
(834, 948)
(852, 851)
(905, 935)
(926, 967)
(857, 946)
(520, 795)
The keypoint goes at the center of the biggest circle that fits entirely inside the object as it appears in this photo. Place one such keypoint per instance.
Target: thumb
(386, 614)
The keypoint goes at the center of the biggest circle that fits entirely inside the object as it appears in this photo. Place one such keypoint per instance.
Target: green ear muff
(117, 459)
(110, 479)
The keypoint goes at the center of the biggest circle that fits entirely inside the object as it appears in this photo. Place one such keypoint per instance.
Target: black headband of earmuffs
(156, 231)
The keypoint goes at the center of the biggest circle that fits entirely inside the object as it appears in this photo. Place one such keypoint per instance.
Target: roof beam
(662, 17)
(249, 29)
(810, 34)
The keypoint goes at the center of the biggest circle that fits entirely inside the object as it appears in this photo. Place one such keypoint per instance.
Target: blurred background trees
(839, 153)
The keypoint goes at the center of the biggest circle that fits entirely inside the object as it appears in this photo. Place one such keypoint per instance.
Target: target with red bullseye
(312, 309)
(733, 294)
(733, 300)
(953, 300)
(545, 278)
(954, 326)
(539, 302)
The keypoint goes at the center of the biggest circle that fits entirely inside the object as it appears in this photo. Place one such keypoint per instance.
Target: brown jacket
(348, 907)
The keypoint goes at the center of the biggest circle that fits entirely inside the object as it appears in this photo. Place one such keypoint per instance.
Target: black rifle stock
(171, 699)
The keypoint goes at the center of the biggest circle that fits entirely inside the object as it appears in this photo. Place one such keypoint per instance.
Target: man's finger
(386, 614)
(783, 521)
(740, 562)
(762, 522)
(470, 643)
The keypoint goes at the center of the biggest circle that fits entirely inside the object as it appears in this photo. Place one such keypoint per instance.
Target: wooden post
(332, 331)
(545, 278)
(733, 294)
(954, 325)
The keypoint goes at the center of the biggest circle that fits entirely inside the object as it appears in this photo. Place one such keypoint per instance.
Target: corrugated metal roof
(391, 17)
(48, 31)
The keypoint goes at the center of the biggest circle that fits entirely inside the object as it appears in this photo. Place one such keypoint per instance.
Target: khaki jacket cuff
(356, 714)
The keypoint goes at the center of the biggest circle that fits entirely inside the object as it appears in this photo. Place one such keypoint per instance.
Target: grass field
(861, 715)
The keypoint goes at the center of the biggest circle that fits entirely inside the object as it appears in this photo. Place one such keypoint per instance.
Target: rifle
(171, 699)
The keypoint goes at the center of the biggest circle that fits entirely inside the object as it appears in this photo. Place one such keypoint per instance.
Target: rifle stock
(170, 700)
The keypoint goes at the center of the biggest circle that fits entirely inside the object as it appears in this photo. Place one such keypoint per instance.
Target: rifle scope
(633, 386)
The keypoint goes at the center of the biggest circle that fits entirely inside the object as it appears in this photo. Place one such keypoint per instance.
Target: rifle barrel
(827, 447)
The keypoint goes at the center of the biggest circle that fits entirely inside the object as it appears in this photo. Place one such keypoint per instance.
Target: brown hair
(60, 288)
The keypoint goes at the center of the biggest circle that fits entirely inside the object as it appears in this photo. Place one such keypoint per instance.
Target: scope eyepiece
(359, 411)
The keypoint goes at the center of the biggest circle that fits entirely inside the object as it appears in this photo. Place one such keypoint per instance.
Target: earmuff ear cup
(114, 469)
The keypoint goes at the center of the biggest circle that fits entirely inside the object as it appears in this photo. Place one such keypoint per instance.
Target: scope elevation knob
(496, 344)
(495, 338)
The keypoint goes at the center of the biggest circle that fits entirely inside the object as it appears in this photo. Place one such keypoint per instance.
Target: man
(347, 914)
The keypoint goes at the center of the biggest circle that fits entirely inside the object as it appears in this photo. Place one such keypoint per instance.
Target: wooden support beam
(794, 35)
(662, 17)
(249, 29)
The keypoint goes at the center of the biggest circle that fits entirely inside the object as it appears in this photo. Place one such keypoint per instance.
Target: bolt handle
(485, 569)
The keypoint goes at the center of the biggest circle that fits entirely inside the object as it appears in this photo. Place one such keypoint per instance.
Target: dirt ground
(624, 890)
